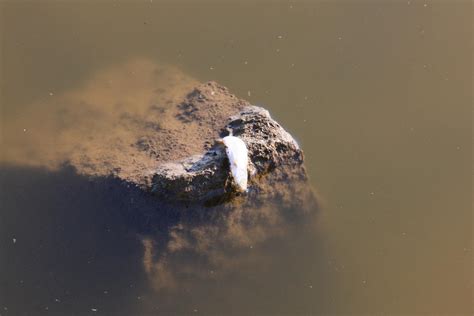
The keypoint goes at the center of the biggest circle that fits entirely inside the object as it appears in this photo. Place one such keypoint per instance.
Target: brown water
(378, 94)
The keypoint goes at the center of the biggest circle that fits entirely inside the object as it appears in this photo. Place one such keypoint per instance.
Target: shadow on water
(75, 244)
(69, 243)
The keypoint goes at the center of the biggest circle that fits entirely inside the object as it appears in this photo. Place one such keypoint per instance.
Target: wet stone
(275, 158)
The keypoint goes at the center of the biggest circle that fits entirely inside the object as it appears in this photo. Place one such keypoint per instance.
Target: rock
(207, 177)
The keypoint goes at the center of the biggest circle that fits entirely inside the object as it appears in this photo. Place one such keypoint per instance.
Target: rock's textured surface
(206, 177)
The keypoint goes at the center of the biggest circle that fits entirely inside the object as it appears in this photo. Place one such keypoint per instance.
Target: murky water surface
(379, 94)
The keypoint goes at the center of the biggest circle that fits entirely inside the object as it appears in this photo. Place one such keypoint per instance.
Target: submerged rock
(155, 129)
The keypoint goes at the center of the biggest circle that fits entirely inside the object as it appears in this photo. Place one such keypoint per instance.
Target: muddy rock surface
(206, 177)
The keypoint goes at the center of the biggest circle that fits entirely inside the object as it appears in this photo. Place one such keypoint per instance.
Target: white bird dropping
(238, 159)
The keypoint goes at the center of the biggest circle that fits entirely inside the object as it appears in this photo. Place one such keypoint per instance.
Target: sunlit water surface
(379, 95)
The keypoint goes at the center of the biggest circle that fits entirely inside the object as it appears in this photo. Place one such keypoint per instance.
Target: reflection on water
(378, 94)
